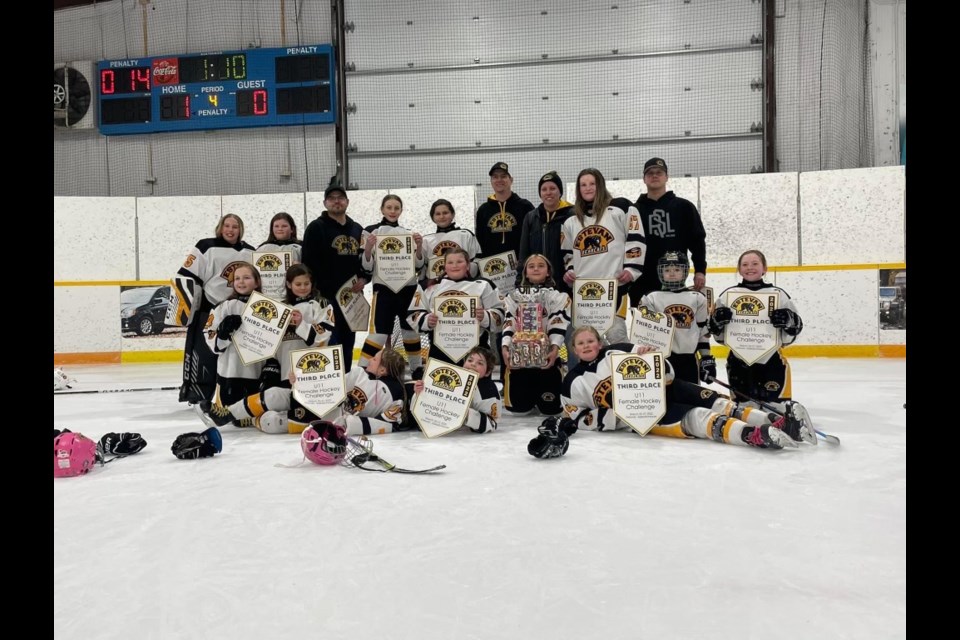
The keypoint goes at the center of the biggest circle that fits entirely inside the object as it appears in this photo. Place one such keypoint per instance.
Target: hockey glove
(270, 375)
(551, 443)
(227, 326)
(708, 368)
(190, 446)
(780, 318)
(120, 444)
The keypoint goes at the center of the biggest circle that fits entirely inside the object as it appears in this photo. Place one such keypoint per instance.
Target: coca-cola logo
(166, 71)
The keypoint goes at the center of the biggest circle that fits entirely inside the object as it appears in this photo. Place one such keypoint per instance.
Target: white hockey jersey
(423, 302)
(373, 405)
(382, 229)
(788, 335)
(587, 394)
(453, 237)
(689, 311)
(293, 246)
(556, 312)
(207, 272)
(603, 249)
(229, 364)
(313, 331)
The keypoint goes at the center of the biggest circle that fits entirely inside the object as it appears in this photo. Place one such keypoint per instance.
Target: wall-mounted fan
(73, 95)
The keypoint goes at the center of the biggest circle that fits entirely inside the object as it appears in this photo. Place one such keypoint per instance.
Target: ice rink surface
(623, 538)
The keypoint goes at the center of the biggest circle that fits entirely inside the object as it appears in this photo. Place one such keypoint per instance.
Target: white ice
(624, 537)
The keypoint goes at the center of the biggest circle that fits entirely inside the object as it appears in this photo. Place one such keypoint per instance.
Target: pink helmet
(324, 442)
(73, 454)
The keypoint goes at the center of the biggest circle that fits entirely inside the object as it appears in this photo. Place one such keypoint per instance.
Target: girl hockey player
(768, 379)
(203, 282)
(311, 325)
(283, 236)
(456, 282)
(692, 411)
(235, 380)
(388, 306)
(524, 388)
(448, 236)
(485, 405)
(604, 239)
(688, 308)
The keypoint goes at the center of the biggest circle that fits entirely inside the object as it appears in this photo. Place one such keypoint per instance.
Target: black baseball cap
(500, 166)
(655, 163)
(335, 188)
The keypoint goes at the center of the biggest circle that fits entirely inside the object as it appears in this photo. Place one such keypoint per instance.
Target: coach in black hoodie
(541, 227)
(670, 224)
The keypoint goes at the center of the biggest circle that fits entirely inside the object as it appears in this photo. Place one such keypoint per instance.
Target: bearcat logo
(390, 245)
(503, 222)
(446, 378)
(313, 362)
(603, 394)
(269, 262)
(265, 310)
(495, 267)
(346, 245)
(591, 291)
(649, 314)
(593, 240)
(682, 315)
(772, 386)
(634, 369)
(356, 400)
(443, 246)
(345, 297)
(227, 273)
(452, 308)
(747, 306)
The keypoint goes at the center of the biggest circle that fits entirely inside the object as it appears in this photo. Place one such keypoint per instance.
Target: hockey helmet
(673, 259)
(324, 442)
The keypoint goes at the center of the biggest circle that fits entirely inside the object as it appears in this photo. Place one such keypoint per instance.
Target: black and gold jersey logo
(634, 368)
(772, 386)
(268, 262)
(747, 306)
(494, 267)
(634, 253)
(346, 245)
(649, 314)
(391, 245)
(503, 222)
(227, 273)
(603, 394)
(265, 310)
(682, 315)
(356, 400)
(592, 291)
(452, 307)
(592, 240)
(446, 378)
(443, 246)
(313, 362)
(345, 297)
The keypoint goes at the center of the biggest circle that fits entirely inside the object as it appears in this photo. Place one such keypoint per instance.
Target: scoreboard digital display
(251, 88)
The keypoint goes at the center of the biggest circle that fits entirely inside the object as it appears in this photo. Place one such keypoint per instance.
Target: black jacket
(499, 226)
(332, 252)
(542, 235)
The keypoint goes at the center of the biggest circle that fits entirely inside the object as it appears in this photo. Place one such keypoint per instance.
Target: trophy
(530, 346)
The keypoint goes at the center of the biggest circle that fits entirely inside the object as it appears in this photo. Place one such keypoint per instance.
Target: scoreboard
(248, 88)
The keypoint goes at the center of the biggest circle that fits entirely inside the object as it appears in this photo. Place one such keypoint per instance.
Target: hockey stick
(361, 452)
(76, 393)
(829, 439)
